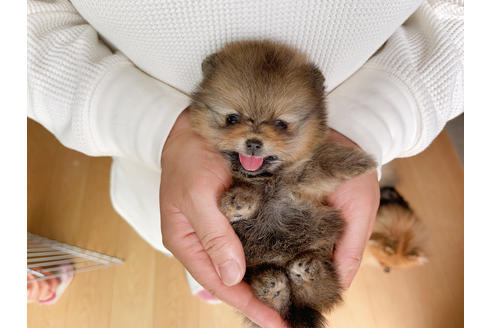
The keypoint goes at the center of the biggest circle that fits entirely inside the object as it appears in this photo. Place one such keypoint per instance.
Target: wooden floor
(68, 200)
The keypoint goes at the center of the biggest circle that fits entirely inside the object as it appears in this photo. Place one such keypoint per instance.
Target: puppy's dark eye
(233, 119)
(412, 253)
(281, 124)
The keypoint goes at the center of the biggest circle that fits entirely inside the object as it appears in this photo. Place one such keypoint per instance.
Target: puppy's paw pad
(305, 269)
(238, 204)
(272, 288)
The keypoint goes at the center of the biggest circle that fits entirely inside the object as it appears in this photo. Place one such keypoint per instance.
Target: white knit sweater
(110, 77)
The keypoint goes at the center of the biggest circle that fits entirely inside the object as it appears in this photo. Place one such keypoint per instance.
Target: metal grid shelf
(46, 255)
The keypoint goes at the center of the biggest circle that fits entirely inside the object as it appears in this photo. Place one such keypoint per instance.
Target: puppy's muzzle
(253, 146)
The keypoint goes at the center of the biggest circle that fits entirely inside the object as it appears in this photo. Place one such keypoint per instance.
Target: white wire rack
(46, 255)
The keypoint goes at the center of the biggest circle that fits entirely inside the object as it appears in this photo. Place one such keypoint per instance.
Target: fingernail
(230, 273)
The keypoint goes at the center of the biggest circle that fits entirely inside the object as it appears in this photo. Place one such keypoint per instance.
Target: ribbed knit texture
(74, 71)
(65, 63)
(89, 90)
(169, 39)
(426, 54)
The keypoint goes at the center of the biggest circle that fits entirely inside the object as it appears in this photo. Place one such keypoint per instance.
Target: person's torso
(169, 39)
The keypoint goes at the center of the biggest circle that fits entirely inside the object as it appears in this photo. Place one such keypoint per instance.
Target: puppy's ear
(317, 78)
(209, 64)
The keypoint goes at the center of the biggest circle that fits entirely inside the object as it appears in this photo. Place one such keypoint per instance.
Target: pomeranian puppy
(262, 104)
(398, 238)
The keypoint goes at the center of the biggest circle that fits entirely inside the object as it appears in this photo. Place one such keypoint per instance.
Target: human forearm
(397, 103)
(92, 99)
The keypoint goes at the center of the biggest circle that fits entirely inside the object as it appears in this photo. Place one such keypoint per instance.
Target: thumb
(350, 249)
(217, 238)
(348, 263)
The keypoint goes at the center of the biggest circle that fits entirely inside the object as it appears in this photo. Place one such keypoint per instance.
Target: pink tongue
(250, 163)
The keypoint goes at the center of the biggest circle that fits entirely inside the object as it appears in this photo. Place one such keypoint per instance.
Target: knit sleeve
(92, 99)
(400, 100)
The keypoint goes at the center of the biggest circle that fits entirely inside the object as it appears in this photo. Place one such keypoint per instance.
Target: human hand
(194, 229)
(358, 201)
(40, 290)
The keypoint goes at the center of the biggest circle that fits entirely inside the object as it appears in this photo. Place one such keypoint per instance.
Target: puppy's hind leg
(314, 281)
(271, 286)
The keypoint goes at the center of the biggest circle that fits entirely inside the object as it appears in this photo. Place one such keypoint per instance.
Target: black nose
(253, 145)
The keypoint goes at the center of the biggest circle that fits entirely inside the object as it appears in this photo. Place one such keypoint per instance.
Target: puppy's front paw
(272, 288)
(357, 163)
(343, 162)
(239, 203)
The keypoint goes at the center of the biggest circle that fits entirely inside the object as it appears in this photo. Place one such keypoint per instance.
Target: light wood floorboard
(68, 200)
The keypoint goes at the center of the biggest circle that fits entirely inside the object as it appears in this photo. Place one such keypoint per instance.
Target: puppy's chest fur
(287, 217)
(261, 104)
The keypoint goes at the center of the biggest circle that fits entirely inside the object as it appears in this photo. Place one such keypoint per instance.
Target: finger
(53, 285)
(348, 254)
(216, 235)
(44, 290)
(371, 227)
(186, 246)
(32, 290)
(359, 211)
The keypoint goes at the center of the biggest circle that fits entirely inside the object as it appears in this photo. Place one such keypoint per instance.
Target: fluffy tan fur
(264, 82)
(398, 238)
(265, 100)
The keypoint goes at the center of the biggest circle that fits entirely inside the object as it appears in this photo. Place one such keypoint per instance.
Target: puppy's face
(398, 238)
(261, 105)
